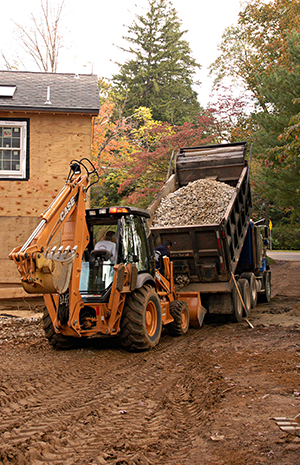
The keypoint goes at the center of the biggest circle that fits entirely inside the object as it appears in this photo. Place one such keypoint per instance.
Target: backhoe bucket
(52, 272)
(196, 311)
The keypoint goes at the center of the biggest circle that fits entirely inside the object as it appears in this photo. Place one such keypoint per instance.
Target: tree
(278, 129)
(232, 114)
(133, 154)
(263, 51)
(283, 172)
(146, 173)
(111, 144)
(279, 87)
(160, 73)
(42, 40)
(257, 43)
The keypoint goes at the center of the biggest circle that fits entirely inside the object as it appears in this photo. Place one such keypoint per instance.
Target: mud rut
(204, 398)
(102, 405)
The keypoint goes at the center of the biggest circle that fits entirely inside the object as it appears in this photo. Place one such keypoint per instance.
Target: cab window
(133, 243)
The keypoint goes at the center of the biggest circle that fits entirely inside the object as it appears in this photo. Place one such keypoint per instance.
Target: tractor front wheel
(56, 340)
(179, 310)
(141, 322)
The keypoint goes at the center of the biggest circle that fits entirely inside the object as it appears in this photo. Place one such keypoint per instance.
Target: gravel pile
(204, 201)
(15, 330)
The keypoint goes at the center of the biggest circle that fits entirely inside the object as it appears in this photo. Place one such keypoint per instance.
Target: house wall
(55, 139)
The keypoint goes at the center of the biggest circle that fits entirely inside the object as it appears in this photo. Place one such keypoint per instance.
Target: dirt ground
(204, 398)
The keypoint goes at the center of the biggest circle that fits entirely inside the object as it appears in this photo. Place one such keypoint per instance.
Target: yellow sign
(270, 225)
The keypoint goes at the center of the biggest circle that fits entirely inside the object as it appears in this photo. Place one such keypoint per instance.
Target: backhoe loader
(90, 291)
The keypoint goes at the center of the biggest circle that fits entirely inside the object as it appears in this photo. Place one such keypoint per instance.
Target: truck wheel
(56, 340)
(245, 291)
(141, 322)
(179, 310)
(237, 315)
(253, 287)
(265, 296)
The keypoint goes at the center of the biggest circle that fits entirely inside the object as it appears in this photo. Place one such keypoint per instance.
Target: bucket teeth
(60, 253)
(52, 252)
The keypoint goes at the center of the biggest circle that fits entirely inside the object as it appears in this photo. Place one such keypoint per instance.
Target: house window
(13, 148)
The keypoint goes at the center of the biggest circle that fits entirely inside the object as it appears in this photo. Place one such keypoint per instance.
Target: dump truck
(91, 288)
(225, 261)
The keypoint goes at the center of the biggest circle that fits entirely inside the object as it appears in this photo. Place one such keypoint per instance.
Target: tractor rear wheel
(179, 310)
(56, 340)
(141, 322)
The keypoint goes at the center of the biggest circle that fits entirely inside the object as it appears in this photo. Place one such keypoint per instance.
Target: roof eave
(87, 111)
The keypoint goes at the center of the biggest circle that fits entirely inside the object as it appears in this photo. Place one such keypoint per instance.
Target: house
(46, 120)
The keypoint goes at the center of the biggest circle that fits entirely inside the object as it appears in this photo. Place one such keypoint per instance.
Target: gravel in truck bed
(204, 201)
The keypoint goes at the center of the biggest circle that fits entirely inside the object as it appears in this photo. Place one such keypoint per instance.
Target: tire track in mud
(101, 405)
(74, 407)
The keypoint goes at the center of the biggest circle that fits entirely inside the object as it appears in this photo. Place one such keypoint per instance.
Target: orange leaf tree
(146, 173)
(133, 154)
(111, 144)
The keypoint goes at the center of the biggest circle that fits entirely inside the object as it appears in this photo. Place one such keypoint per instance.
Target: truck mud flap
(220, 304)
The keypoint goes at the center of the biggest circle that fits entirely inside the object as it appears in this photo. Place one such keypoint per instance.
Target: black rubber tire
(179, 310)
(141, 322)
(253, 287)
(246, 295)
(265, 296)
(56, 340)
(237, 315)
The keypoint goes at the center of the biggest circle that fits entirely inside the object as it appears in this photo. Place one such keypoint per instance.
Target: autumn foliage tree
(111, 144)
(233, 122)
(147, 171)
(262, 52)
(257, 43)
(133, 153)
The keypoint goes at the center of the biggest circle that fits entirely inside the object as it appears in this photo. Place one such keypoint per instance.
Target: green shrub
(286, 237)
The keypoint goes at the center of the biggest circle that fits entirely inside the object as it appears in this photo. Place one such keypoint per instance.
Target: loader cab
(131, 243)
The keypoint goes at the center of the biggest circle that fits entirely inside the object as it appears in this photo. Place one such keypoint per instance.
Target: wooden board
(16, 292)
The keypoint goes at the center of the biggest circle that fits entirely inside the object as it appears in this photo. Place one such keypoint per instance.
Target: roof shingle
(68, 92)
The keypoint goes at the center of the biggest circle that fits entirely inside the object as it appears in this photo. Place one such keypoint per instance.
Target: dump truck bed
(208, 253)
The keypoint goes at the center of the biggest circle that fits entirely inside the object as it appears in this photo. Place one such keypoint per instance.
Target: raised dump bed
(208, 256)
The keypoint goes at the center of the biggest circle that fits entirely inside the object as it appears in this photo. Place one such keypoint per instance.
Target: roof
(50, 92)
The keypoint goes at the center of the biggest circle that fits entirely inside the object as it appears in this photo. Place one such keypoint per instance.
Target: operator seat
(101, 270)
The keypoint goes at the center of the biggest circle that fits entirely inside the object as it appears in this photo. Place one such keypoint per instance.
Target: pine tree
(160, 73)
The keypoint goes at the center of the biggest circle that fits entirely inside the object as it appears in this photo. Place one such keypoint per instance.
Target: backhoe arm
(46, 270)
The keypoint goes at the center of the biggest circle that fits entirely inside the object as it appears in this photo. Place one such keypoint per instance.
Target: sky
(93, 31)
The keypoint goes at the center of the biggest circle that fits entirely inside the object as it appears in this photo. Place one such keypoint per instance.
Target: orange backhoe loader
(89, 289)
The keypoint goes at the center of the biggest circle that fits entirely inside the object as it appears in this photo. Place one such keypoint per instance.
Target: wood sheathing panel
(54, 141)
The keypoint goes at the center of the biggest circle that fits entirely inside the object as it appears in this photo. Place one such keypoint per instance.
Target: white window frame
(21, 173)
